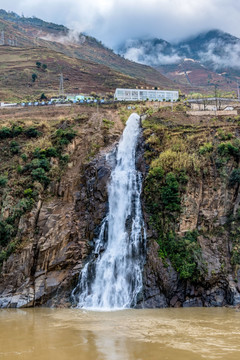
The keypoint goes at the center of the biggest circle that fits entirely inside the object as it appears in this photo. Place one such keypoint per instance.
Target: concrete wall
(213, 113)
(197, 107)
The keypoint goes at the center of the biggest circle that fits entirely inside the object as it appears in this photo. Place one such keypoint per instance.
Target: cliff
(190, 199)
(43, 244)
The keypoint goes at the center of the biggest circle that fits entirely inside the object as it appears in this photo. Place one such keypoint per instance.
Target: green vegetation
(234, 177)
(14, 147)
(206, 148)
(175, 154)
(28, 171)
(8, 226)
(223, 135)
(32, 132)
(229, 149)
(3, 181)
(163, 201)
(179, 155)
(7, 132)
(34, 77)
(63, 137)
(107, 124)
(233, 227)
(184, 253)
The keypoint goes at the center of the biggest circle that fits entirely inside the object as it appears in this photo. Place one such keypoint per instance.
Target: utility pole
(61, 87)
(238, 94)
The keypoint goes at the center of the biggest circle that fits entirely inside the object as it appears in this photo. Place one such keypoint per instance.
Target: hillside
(196, 75)
(18, 64)
(33, 33)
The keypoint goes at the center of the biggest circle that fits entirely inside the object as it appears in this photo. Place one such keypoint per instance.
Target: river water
(164, 334)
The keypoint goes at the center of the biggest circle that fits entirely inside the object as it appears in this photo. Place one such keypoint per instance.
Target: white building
(145, 94)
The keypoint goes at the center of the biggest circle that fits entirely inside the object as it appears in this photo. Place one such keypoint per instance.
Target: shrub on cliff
(170, 193)
(32, 132)
(171, 160)
(14, 147)
(229, 149)
(64, 137)
(6, 231)
(39, 174)
(3, 181)
(206, 148)
(43, 153)
(5, 133)
(234, 177)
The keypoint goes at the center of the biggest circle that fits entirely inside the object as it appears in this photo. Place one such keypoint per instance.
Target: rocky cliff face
(191, 207)
(205, 209)
(208, 207)
(56, 235)
(45, 270)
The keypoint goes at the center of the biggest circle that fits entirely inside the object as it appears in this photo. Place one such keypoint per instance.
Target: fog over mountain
(213, 48)
(115, 21)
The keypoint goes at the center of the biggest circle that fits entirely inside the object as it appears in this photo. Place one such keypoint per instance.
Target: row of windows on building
(135, 94)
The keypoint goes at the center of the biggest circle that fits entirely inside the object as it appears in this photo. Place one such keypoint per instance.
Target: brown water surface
(168, 334)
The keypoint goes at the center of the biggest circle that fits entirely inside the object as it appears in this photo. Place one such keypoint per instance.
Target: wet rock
(192, 303)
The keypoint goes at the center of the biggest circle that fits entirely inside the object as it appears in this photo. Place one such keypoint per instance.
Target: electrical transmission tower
(36, 42)
(61, 87)
(2, 41)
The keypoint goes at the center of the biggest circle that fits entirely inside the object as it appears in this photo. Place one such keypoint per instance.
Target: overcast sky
(114, 21)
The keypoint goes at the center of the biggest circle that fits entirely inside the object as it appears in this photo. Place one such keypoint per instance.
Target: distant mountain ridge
(196, 48)
(216, 55)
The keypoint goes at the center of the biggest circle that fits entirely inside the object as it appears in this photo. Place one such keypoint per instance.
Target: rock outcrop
(210, 206)
(45, 269)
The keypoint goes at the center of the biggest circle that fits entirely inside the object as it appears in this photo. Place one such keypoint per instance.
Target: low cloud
(73, 37)
(150, 54)
(221, 55)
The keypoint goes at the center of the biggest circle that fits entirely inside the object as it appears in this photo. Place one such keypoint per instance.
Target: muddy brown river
(164, 334)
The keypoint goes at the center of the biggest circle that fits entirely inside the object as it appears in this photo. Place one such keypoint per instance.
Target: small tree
(44, 67)
(34, 77)
(43, 97)
(38, 64)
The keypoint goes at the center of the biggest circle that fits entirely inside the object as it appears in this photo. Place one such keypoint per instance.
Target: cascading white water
(113, 278)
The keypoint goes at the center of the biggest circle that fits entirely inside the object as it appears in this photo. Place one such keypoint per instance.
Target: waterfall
(112, 279)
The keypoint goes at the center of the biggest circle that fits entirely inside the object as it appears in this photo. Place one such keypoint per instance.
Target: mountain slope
(33, 32)
(18, 64)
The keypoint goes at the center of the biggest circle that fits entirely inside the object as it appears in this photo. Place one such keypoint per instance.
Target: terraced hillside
(17, 66)
(38, 37)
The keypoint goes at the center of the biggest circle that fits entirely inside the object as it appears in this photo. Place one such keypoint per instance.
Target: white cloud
(150, 54)
(222, 59)
(113, 21)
